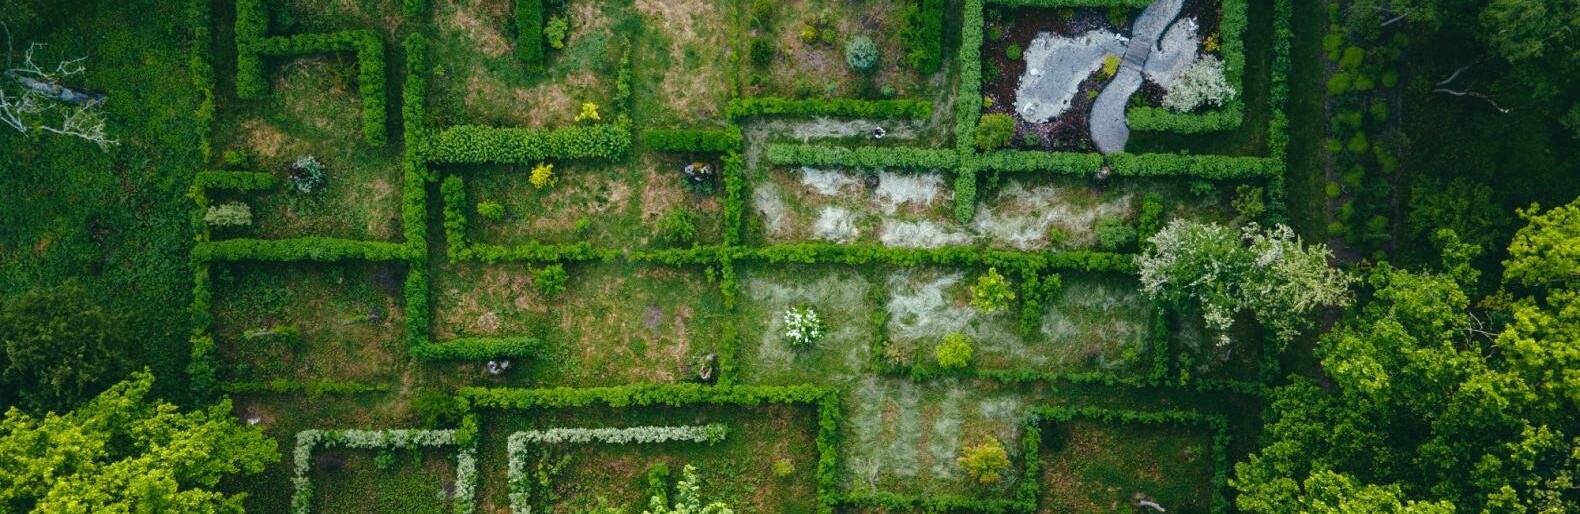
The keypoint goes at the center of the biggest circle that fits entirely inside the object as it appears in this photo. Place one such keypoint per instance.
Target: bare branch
(1474, 94)
(1451, 78)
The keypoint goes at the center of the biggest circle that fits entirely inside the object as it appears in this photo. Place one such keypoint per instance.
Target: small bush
(238, 159)
(307, 174)
(762, 51)
(1248, 201)
(1114, 233)
(542, 176)
(861, 53)
(555, 31)
(229, 214)
(589, 112)
(994, 131)
(1012, 51)
(783, 468)
(437, 409)
(491, 210)
(763, 14)
(803, 327)
(1110, 66)
(992, 292)
(384, 460)
(985, 462)
(677, 228)
(1332, 190)
(954, 352)
(551, 279)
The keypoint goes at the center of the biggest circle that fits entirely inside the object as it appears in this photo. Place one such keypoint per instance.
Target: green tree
(58, 347)
(121, 452)
(985, 462)
(1428, 408)
(954, 352)
(992, 292)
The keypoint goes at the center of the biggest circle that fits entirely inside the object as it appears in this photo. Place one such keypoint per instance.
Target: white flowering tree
(1201, 83)
(36, 98)
(1225, 271)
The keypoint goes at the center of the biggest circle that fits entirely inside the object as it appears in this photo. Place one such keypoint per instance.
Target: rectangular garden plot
(326, 322)
(612, 323)
(483, 76)
(843, 298)
(767, 459)
(796, 49)
(313, 111)
(686, 55)
(641, 203)
(384, 471)
(1099, 460)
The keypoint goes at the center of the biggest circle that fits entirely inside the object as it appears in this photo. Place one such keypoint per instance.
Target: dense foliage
(58, 347)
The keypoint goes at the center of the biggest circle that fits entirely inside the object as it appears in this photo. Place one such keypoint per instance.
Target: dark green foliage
(677, 228)
(1151, 216)
(58, 347)
(235, 180)
(1461, 205)
(762, 51)
(681, 140)
(1012, 52)
(529, 33)
(479, 349)
(841, 107)
(551, 279)
(994, 131)
(321, 249)
(252, 45)
(312, 388)
(861, 157)
(922, 36)
(1114, 234)
(1056, 162)
(438, 409)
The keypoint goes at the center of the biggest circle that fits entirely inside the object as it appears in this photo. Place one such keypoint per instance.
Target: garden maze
(548, 253)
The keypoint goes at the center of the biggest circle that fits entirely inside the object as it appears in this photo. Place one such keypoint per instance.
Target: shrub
(1110, 66)
(762, 51)
(861, 53)
(803, 327)
(589, 112)
(491, 210)
(551, 279)
(1202, 82)
(1248, 201)
(954, 352)
(307, 174)
(677, 227)
(556, 30)
(1114, 233)
(229, 214)
(783, 468)
(529, 30)
(985, 462)
(994, 131)
(542, 176)
(922, 35)
(238, 158)
(1012, 52)
(992, 292)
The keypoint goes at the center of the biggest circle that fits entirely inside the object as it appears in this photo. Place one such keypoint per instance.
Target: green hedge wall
(861, 157)
(1218, 425)
(235, 180)
(475, 144)
(923, 35)
(1211, 167)
(529, 33)
(1231, 30)
(1070, 163)
(968, 108)
(318, 249)
(838, 107)
(480, 348)
(252, 45)
(682, 140)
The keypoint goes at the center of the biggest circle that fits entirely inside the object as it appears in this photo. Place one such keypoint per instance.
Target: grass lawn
(1091, 467)
(802, 67)
(352, 481)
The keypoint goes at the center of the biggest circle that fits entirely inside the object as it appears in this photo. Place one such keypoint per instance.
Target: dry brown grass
(691, 90)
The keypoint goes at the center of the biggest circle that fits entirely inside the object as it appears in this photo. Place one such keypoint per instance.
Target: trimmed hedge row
(837, 107)
(1071, 163)
(318, 249)
(479, 348)
(1072, 3)
(1231, 30)
(861, 157)
(1211, 167)
(318, 387)
(251, 46)
(967, 108)
(476, 144)
(684, 140)
(529, 33)
(235, 180)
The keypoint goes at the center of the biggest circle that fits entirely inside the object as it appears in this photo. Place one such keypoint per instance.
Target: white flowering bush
(1201, 83)
(309, 440)
(518, 444)
(1225, 271)
(803, 327)
(688, 498)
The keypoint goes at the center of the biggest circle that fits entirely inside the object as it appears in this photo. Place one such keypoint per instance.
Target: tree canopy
(122, 452)
(58, 347)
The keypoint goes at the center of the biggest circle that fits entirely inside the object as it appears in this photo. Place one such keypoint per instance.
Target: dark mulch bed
(1067, 132)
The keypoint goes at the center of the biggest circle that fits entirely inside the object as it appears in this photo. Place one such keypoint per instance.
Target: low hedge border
(520, 479)
(480, 348)
(235, 180)
(1217, 424)
(1027, 491)
(476, 144)
(316, 249)
(861, 157)
(321, 387)
(694, 140)
(1231, 37)
(463, 500)
(827, 401)
(903, 108)
(252, 45)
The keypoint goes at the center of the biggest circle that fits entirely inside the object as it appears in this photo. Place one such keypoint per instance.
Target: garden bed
(1092, 466)
(816, 67)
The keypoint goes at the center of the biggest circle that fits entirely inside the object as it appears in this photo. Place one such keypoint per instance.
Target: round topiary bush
(954, 352)
(994, 131)
(861, 53)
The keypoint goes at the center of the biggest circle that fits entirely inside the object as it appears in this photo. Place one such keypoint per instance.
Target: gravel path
(1110, 132)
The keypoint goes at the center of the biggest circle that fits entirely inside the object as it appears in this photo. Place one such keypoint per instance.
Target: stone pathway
(1110, 132)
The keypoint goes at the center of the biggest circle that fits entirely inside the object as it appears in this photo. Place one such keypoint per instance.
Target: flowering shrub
(1201, 83)
(589, 112)
(229, 214)
(803, 327)
(542, 176)
(688, 498)
(307, 174)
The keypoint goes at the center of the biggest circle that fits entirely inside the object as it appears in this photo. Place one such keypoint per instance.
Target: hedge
(235, 180)
(837, 107)
(861, 157)
(317, 387)
(1072, 3)
(462, 500)
(529, 33)
(923, 35)
(475, 144)
(1211, 167)
(252, 21)
(1231, 30)
(319, 249)
(968, 109)
(480, 348)
(1071, 163)
(681, 140)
